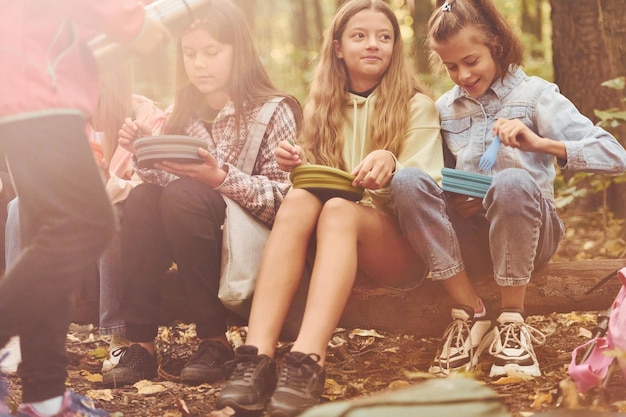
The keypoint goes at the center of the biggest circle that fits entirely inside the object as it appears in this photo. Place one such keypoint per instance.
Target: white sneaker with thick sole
(11, 355)
(118, 342)
(462, 342)
(512, 346)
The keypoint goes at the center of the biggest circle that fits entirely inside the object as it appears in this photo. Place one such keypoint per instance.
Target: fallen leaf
(332, 390)
(398, 384)
(91, 377)
(367, 333)
(100, 394)
(620, 406)
(541, 399)
(569, 393)
(151, 389)
(145, 387)
(224, 412)
(505, 380)
(417, 374)
(99, 352)
(182, 406)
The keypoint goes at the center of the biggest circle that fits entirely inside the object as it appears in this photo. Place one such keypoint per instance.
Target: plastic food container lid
(325, 182)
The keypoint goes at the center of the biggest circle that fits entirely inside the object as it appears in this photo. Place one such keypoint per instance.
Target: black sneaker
(251, 383)
(300, 385)
(135, 364)
(208, 364)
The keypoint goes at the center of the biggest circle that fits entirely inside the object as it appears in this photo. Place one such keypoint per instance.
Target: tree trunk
(588, 49)
(421, 11)
(559, 287)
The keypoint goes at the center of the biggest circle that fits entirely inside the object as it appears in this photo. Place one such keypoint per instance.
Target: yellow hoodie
(422, 144)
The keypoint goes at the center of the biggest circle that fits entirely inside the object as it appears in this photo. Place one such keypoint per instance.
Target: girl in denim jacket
(514, 229)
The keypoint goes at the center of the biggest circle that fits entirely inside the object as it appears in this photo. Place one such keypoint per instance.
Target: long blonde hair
(322, 134)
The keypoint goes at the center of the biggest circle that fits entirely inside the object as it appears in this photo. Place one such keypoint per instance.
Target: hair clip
(446, 7)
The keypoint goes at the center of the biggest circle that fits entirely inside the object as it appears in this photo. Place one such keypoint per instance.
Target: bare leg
(460, 289)
(348, 235)
(281, 268)
(513, 297)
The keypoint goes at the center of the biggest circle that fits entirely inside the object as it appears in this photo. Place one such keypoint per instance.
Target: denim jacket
(466, 125)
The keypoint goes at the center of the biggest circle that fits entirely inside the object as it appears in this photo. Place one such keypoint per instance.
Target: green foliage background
(290, 67)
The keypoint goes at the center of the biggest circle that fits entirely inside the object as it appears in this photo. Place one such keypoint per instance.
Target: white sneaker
(12, 356)
(512, 346)
(462, 342)
(118, 342)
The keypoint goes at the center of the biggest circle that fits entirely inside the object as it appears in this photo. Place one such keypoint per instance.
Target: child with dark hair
(514, 229)
(178, 212)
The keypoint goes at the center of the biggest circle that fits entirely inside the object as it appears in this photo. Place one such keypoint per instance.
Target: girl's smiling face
(469, 62)
(208, 63)
(366, 46)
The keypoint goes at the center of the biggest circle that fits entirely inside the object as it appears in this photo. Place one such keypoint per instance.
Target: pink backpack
(594, 367)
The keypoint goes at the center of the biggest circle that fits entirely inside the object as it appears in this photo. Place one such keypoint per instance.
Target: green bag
(442, 397)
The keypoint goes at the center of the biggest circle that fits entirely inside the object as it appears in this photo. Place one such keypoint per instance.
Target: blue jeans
(517, 232)
(109, 269)
(112, 282)
(66, 221)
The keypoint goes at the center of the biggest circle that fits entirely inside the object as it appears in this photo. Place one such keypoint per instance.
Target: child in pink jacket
(49, 88)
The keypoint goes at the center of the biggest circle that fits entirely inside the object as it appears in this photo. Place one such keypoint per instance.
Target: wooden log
(558, 287)
(425, 311)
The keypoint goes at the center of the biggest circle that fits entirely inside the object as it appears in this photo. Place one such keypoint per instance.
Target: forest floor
(363, 362)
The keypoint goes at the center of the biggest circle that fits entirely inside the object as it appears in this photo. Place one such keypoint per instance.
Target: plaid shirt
(260, 193)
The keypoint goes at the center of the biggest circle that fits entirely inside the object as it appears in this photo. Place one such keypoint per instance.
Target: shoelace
(510, 337)
(296, 372)
(243, 367)
(455, 335)
(118, 352)
(130, 355)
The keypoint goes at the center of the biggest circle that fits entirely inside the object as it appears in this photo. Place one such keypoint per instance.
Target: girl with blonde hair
(366, 114)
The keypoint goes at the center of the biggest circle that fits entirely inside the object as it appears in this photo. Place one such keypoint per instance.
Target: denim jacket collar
(501, 87)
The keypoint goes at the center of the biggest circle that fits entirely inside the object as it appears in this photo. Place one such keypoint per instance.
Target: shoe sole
(514, 369)
(198, 377)
(119, 379)
(247, 410)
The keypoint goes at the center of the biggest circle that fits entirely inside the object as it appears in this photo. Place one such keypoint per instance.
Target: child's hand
(375, 171)
(516, 134)
(208, 172)
(289, 155)
(129, 132)
(465, 205)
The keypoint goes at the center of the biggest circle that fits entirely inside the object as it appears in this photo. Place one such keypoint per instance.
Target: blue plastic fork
(490, 155)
